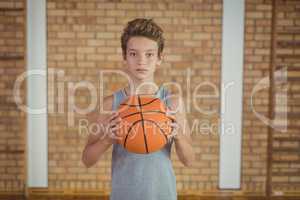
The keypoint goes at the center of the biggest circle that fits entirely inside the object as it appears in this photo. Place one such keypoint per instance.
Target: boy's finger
(113, 116)
(174, 124)
(116, 121)
(169, 113)
(115, 128)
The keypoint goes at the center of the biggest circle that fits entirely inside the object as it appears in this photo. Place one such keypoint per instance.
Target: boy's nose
(141, 59)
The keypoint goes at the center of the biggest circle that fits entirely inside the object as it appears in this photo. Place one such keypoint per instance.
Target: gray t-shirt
(142, 176)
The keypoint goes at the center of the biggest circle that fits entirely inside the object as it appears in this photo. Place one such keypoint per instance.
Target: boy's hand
(111, 126)
(176, 131)
(176, 128)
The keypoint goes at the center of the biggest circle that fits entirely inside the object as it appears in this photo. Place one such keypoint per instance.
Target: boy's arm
(183, 141)
(97, 143)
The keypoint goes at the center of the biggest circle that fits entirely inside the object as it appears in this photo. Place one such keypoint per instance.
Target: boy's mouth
(141, 70)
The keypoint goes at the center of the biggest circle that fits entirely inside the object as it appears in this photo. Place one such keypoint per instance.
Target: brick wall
(12, 143)
(286, 155)
(84, 38)
(256, 67)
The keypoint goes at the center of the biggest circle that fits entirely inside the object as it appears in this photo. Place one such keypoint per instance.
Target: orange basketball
(144, 125)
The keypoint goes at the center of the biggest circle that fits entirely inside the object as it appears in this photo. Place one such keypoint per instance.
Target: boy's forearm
(94, 151)
(184, 150)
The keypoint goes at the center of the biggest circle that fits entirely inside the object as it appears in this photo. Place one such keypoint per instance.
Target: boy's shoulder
(108, 100)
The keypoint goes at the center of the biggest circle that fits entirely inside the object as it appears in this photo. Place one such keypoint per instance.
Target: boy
(140, 176)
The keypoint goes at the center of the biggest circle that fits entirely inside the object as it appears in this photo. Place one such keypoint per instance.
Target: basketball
(144, 125)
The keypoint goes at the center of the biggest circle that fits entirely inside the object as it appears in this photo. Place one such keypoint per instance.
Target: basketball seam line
(154, 122)
(150, 111)
(145, 138)
(134, 105)
(129, 131)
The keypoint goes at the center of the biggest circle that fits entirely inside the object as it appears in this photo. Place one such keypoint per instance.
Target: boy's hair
(142, 27)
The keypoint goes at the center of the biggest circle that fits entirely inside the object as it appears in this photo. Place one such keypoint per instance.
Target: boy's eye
(149, 54)
(132, 54)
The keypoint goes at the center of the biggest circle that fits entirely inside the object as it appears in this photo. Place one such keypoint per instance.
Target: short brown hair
(142, 27)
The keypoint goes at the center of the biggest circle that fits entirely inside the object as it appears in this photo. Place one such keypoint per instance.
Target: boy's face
(142, 58)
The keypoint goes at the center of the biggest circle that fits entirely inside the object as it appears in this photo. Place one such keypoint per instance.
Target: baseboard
(295, 193)
(5, 195)
(104, 193)
(80, 192)
(65, 192)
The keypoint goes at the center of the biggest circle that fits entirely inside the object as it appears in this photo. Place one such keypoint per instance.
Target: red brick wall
(84, 37)
(12, 138)
(285, 168)
(256, 67)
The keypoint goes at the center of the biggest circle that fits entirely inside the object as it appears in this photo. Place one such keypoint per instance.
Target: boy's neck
(141, 88)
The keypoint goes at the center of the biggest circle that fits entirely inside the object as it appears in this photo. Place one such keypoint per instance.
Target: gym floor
(107, 198)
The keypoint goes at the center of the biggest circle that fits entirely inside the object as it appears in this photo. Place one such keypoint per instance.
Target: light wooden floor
(107, 198)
